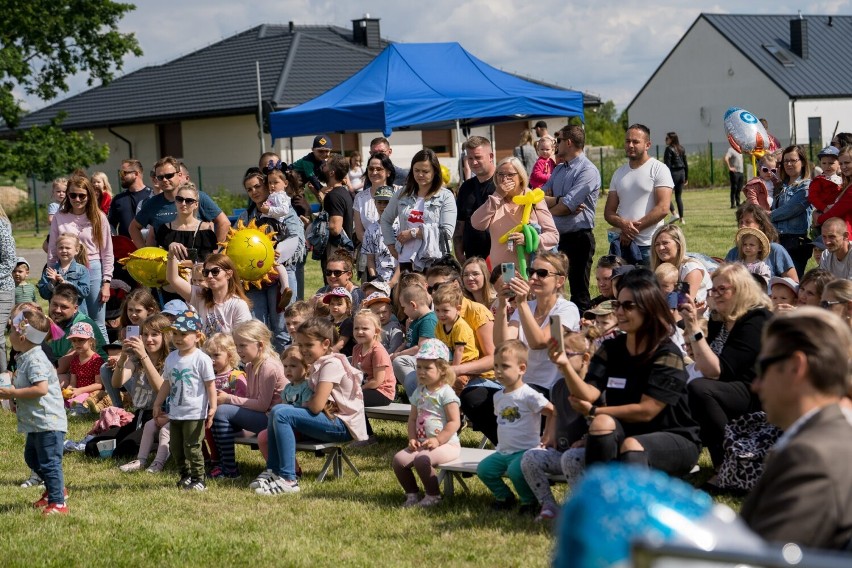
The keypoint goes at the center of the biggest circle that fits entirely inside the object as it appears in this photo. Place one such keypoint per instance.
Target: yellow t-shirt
(460, 334)
(476, 315)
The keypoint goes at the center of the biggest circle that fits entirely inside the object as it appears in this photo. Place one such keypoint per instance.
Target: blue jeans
(284, 420)
(43, 454)
(264, 307)
(646, 255)
(114, 393)
(293, 283)
(96, 310)
(228, 420)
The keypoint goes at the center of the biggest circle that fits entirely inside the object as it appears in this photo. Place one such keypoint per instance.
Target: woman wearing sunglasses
(837, 298)
(267, 300)
(499, 214)
(531, 325)
(646, 419)
(187, 237)
(80, 215)
(760, 189)
(338, 274)
(221, 303)
(727, 355)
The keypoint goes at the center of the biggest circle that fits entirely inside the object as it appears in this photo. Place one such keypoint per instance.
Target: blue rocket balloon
(745, 132)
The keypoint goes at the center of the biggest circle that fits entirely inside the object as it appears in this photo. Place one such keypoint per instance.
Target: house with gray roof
(203, 107)
(792, 70)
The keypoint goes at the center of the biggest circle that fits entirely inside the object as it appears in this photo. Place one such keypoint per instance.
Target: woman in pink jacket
(499, 214)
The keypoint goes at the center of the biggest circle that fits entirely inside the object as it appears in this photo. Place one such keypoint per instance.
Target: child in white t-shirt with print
(519, 409)
(192, 399)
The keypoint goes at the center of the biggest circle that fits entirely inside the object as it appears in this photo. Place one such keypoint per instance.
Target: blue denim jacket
(77, 275)
(791, 212)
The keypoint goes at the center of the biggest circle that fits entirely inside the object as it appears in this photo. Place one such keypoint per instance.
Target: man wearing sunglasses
(123, 208)
(639, 196)
(805, 492)
(161, 208)
(571, 194)
(836, 258)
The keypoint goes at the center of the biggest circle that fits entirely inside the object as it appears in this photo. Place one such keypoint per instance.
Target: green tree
(43, 42)
(604, 126)
(48, 152)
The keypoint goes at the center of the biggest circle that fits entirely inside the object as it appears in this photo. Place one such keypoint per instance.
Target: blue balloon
(745, 132)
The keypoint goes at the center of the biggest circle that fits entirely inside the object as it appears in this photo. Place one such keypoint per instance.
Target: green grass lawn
(130, 519)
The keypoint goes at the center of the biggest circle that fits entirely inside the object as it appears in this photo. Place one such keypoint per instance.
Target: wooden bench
(467, 463)
(335, 456)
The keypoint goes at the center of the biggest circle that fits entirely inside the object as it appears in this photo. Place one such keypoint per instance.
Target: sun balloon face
(147, 266)
(252, 251)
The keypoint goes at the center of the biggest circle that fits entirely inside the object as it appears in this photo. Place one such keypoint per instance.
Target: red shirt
(86, 372)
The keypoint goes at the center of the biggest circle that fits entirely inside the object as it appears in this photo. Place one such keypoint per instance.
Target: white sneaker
(135, 465)
(262, 480)
(411, 499)
(430, 501)
(278, 485)
(33, 480)
(155, 467)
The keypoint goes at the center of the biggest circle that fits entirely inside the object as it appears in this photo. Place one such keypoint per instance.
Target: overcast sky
(607, 47)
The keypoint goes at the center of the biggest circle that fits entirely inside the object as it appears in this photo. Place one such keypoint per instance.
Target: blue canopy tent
(424, 85)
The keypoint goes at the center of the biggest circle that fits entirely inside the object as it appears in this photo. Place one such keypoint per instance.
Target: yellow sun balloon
(252, 251)
(147, 266)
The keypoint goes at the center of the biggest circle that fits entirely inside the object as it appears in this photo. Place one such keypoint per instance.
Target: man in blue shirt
(122, 209)
(160, 209)
(572, 196)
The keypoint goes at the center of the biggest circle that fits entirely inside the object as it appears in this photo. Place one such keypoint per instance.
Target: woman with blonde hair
(726, 357)
(500, 214)
(100, 182)
(525, 152)
(669, 245)
(8, 261)
(265, 378)
(475, 282)
(222, 304)
(837, 298)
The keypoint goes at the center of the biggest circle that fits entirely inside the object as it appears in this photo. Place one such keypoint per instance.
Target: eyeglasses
(78, 196)
(541, 272)
(161, 177)
(764, 363)
(377, 170)
(718, 290)
(336, 273)
(791, 161)
(627, 305)
(766, 170)
(501, 175)
(187, 200)
(431, 289)
(826, 304)
(215, 271)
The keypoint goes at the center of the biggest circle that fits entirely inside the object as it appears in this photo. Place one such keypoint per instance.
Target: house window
(170, 138)
(439, 141)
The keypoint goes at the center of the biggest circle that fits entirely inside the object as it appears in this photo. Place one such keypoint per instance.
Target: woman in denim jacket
(427, 215)
(790, 211)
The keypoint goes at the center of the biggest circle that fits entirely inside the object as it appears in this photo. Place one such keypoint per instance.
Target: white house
(792, 70)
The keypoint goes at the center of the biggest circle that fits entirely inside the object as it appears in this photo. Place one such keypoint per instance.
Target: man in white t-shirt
(734, 161)
(836, 258)
(639, 196)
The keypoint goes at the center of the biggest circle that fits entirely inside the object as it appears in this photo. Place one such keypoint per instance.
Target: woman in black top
(726, 357)
(675, 158)
(195, 240)
(642, 375)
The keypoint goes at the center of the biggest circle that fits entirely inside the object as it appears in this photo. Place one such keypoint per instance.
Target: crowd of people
(456, 302)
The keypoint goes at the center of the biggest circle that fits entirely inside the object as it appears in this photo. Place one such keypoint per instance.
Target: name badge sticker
(616, 383)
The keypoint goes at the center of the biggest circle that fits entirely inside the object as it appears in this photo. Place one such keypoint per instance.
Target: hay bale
(11, 198)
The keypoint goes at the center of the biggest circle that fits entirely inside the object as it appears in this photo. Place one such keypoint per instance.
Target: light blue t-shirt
(297, 395)
(45, 413)
(187, 392)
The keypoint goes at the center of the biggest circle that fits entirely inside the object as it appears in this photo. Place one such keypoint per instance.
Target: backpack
(318, 235)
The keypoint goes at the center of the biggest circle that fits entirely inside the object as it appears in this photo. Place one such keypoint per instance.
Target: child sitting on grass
(519, 409)
(40, 412)
(752, 250)
(339, 302)
(192, 399)
(453, 331)
(433, 426)
(85, 367)
(24, 291)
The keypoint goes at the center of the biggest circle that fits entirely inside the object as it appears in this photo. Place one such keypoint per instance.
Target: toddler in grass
(24, 291)
(752, 250)
(519, 408)
(192, 399)
(40, 412)
(140, 368)
(433, 426)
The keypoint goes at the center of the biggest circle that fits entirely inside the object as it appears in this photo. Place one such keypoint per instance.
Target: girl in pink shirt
(545, 164)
